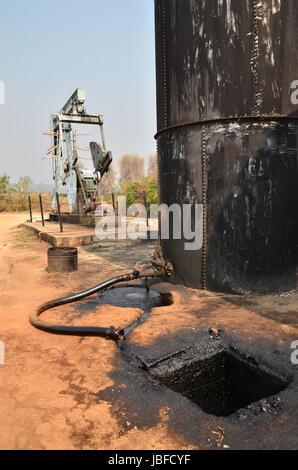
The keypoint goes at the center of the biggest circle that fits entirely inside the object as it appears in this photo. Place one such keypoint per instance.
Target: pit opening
(223, 384)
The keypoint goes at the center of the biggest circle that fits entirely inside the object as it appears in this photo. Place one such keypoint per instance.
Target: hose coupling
(137, 271)
(117, 335)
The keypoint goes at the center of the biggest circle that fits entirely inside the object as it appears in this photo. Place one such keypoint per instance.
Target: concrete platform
(72, 235)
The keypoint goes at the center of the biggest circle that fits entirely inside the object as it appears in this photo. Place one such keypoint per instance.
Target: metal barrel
(62, 260)
(227, 117)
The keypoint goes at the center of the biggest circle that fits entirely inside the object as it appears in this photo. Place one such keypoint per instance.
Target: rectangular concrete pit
(221, 384)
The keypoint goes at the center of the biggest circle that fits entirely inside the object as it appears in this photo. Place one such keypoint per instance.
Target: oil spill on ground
(124, 297)
(139, 397)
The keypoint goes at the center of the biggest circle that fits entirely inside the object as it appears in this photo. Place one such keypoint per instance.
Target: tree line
(132, 170)
(136, 178)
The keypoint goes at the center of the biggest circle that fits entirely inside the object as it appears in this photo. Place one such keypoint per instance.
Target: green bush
(132, 192)
(152, 192)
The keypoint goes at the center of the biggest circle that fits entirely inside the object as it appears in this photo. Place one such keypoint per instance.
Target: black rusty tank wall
(228, 137)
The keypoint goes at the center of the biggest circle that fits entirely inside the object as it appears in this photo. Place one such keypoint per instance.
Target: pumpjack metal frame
(81, 184)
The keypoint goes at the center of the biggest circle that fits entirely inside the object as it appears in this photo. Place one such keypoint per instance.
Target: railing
(35, 203)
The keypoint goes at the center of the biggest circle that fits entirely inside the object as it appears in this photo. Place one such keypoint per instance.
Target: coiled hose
(111, 332)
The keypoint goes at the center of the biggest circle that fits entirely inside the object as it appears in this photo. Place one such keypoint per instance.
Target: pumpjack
(80, 185)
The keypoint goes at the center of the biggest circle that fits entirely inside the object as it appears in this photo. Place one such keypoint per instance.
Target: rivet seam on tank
(165, 92)
(255, 64)
(158, 190)
(165, 65)
(204, 190)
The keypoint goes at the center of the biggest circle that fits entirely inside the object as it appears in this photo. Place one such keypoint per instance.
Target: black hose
(111, 333)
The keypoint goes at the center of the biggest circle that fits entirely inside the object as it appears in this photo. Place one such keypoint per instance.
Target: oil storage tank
(227, 138)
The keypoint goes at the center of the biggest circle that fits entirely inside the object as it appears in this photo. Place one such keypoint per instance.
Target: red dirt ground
(50, 384)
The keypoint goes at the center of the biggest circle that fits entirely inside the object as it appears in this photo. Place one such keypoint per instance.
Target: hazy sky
(50, 48)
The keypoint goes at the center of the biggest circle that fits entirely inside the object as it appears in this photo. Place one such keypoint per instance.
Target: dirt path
(7, 222)
(49, 384)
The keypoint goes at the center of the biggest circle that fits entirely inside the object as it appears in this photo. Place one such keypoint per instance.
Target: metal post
(145, 204)
(41, 210)
(113, 199)
(59, 212)
(147, 216)
(30, 209)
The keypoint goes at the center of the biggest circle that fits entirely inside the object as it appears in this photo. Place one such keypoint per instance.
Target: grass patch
(23, 238)
(24, 246)
(23, 235)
